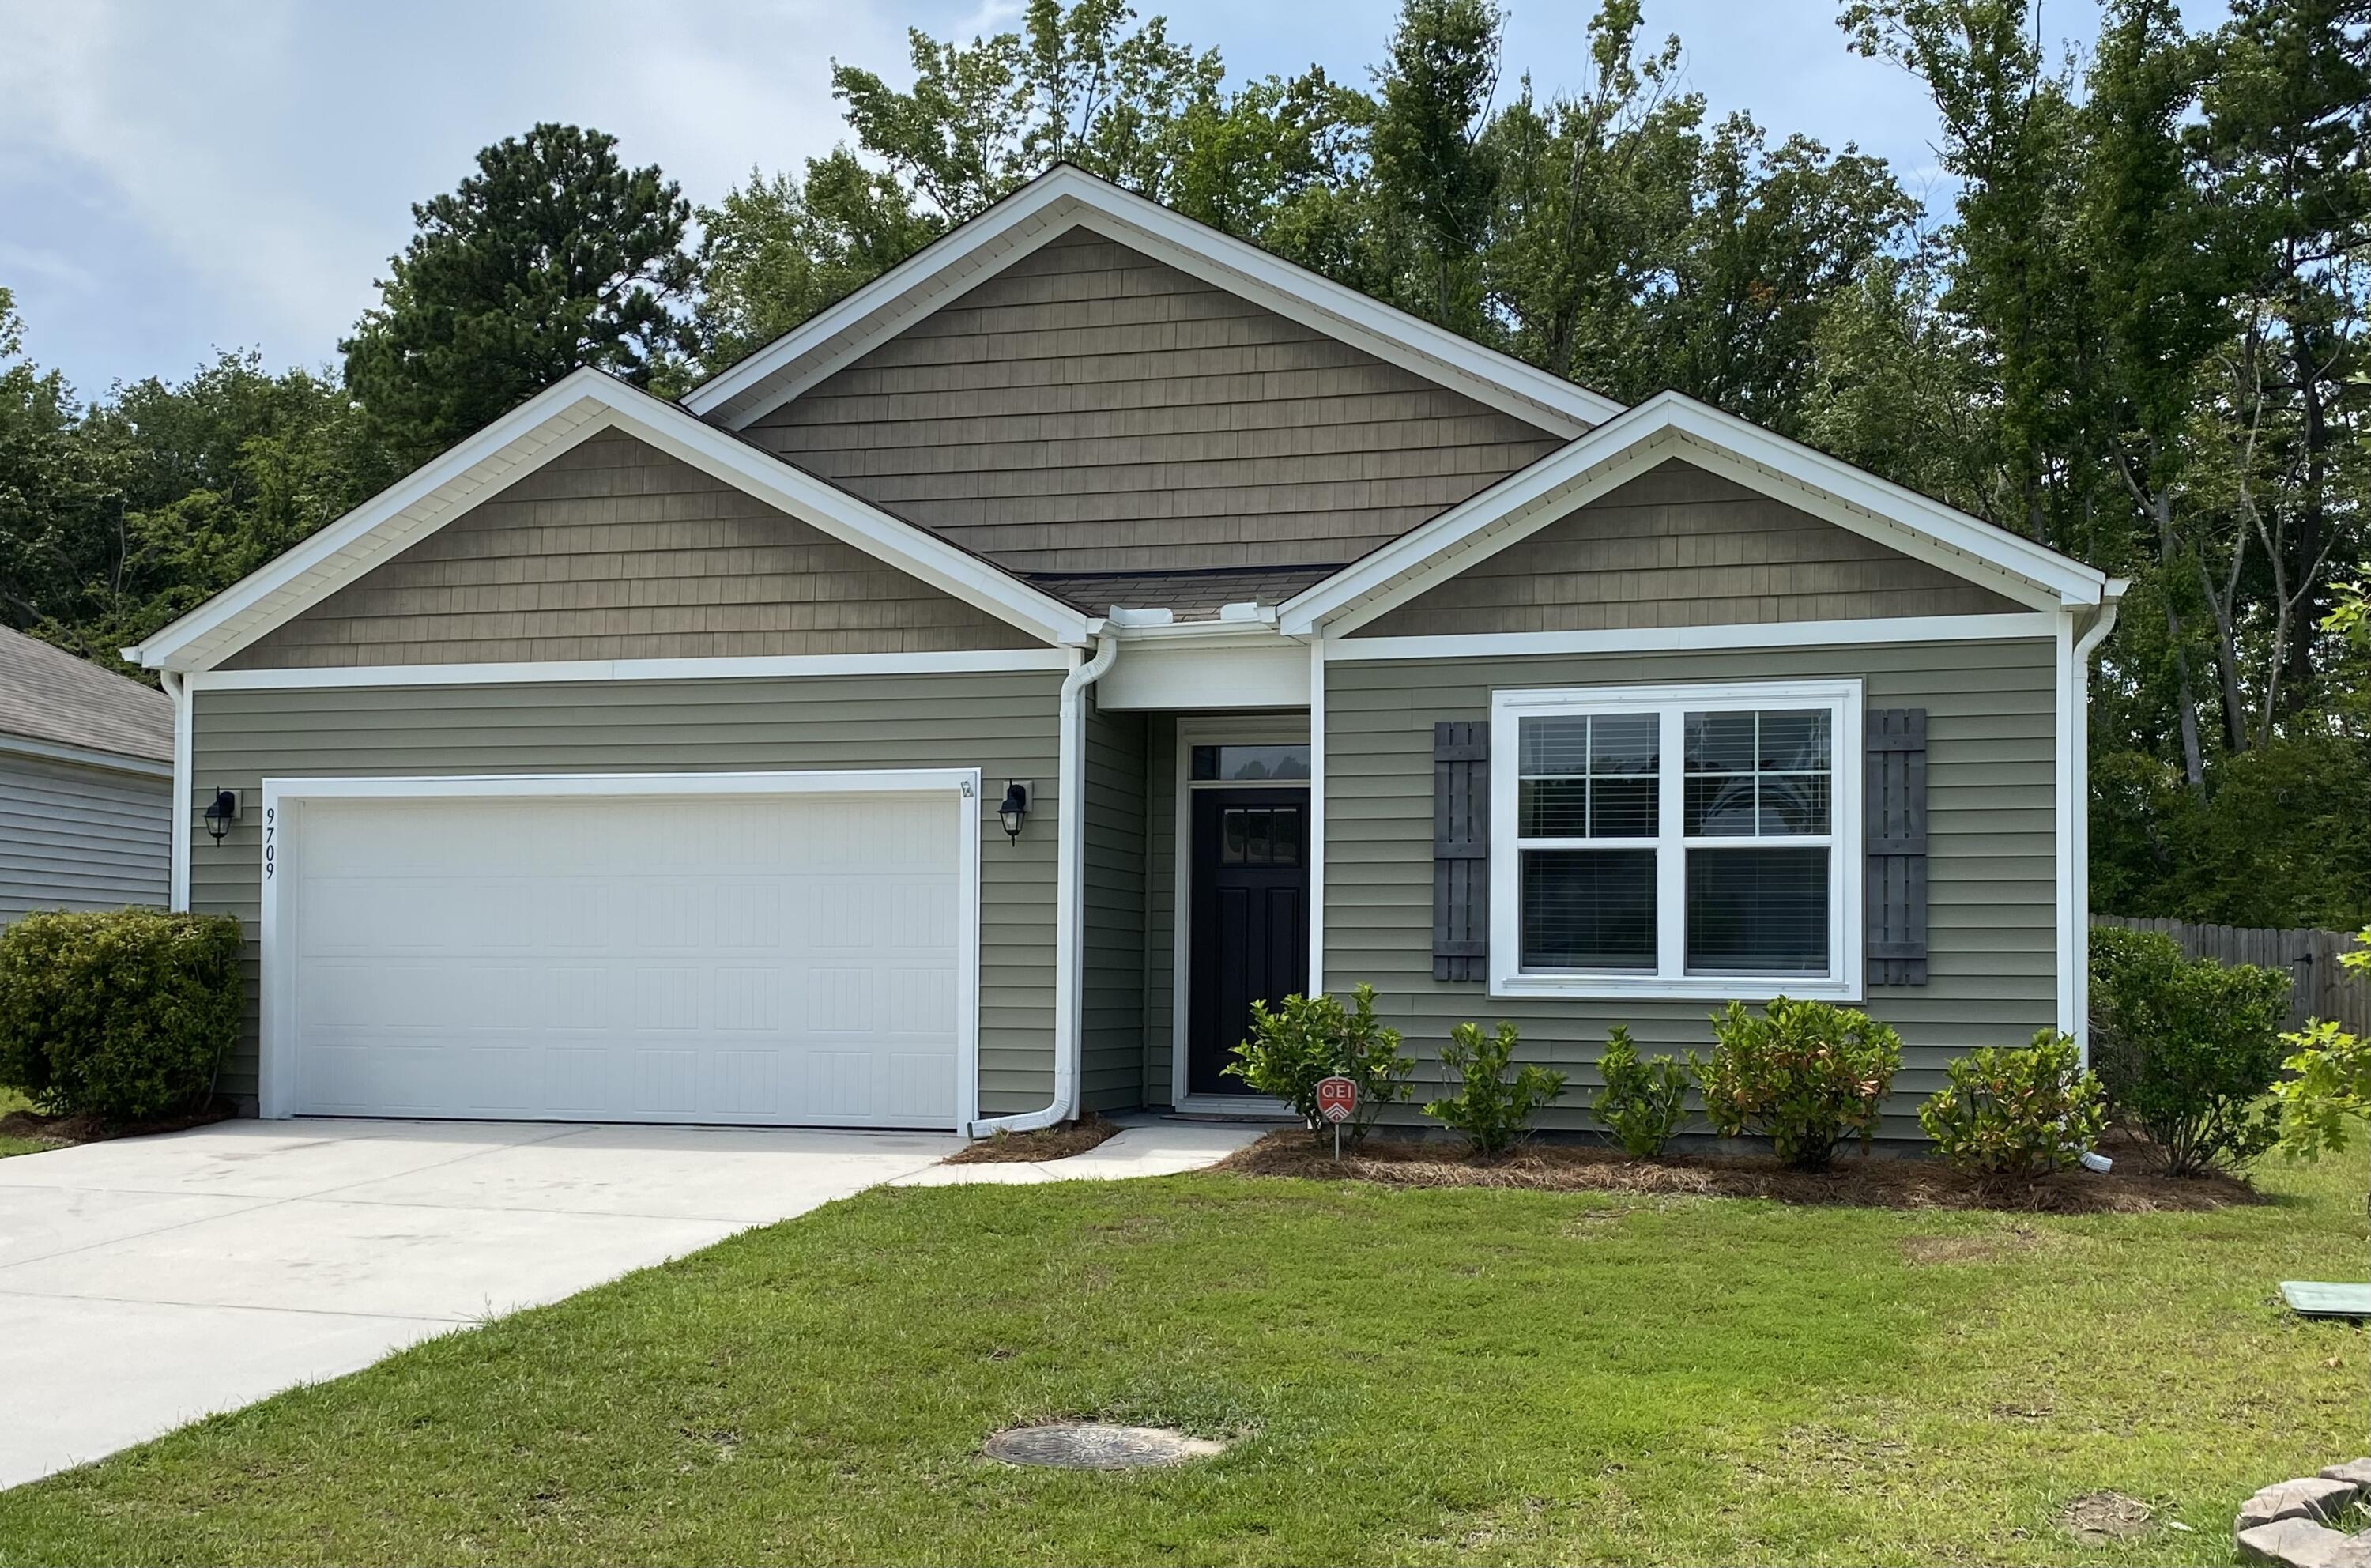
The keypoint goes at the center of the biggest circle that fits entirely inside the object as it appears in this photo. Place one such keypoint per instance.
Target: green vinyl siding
(1004, 724)
(1111, 1013)
(1992, 888)
(1160, 888)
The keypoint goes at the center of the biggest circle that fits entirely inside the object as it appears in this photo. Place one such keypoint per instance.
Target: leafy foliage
(1490, 1108)
(1805, 1074)
(2016, 1113)
(121, 1014)
(1643, 1104)
(2188, 1049)
(1303, 1040)
(2330, 1077)
(553, 255)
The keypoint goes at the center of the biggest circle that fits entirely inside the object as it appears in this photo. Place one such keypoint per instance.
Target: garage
(787, 949)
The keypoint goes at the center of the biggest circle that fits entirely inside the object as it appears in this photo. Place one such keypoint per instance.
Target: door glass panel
(1250, 764)
(1284, 835)
(1235, 837)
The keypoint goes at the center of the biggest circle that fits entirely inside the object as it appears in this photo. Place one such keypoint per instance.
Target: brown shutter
(1894, 740)
(1461, 850)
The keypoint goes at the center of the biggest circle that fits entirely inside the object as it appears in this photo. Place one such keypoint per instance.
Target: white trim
(281, 830)
(1066, 195)
(1173, 677)
(1679, 639)
(2077, 908)
(1192, 731)
(1843, 841)
(176, 896)
(579, 405)
(1671, 425)
(796, 666)
(1314, 851)
(84, 756)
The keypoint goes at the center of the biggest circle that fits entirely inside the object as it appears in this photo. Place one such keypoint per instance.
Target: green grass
(12, 1101)
(1409, 1376)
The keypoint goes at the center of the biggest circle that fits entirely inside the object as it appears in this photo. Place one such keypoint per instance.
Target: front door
(1250, 933)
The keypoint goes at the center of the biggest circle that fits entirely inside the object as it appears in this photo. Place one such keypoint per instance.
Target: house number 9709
(271, 832)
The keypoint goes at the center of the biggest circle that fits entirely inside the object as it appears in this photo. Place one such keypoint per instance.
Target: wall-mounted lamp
(1014, 808)
(221, 811)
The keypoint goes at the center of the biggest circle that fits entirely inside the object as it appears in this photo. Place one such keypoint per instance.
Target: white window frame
(1842, 698)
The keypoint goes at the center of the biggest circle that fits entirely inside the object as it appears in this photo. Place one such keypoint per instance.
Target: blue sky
(172, 179)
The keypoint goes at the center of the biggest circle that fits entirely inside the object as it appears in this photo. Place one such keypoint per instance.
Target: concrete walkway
(147, 1281)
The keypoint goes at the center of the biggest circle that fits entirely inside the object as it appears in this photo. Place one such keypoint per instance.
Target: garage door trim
(283, 837)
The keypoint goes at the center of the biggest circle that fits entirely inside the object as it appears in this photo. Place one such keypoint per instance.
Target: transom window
(1690, 841)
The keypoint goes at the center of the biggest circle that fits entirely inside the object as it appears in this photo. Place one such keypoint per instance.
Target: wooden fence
(2322, 989)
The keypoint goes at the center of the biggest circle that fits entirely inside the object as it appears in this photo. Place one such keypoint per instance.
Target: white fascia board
(579, 406)
(792, 667)
(1063, 196)
(1671, 425)
(1689, 639)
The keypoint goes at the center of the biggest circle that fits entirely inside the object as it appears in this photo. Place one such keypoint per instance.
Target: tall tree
(1434, 170)
(553, 255)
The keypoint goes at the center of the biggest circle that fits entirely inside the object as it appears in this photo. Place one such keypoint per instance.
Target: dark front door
(1250, 933)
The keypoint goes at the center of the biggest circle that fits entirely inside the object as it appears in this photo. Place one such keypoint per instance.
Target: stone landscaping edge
(2290, 1523)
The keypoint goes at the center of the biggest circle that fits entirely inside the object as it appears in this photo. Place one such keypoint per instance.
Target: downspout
(176, 887)
(1070, 865)
(2110, 602)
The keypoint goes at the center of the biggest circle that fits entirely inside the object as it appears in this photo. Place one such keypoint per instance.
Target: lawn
(12, 1101)
(1407, 1375)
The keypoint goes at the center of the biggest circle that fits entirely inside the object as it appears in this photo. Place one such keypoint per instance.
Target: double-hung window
(1698, 841)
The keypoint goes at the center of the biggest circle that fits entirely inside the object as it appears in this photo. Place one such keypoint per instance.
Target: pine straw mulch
(59, 1132)
(1045, 1143)
(2135, 1186)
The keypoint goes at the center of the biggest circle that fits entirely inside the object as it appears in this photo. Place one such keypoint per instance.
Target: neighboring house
(86, 784)
(643, 760)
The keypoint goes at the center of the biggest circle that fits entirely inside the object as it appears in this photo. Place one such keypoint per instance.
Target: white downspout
(1069, 867)
(177, 890)
(2085, 646)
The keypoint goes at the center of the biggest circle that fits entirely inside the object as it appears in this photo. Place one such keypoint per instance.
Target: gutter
(1069, 867)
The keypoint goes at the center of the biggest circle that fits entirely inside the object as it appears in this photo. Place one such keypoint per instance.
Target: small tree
(1643, 1104)
(2330, 1077)
(1303, 1040)
(1805, 1074)
(2016, 1113)
(1493, 1110)
(2188, 1049)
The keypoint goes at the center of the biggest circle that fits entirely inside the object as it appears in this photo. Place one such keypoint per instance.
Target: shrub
(2015, 1112)
(122, 1014)
(1643, 1104)
(2329, 1081)
(1491, 1109)
(1805, 1074)
(2187, 1050)
(1303, 1040)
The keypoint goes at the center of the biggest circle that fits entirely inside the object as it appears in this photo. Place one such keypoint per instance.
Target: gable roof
(1674, 425)
(579, 405)
(1065, 197)
(48, 695)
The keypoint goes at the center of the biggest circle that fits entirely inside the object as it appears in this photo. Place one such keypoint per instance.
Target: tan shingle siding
(1679, 546)
(617, 550)
(1091, 408)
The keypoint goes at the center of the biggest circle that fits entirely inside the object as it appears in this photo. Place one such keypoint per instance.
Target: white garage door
(747, 958)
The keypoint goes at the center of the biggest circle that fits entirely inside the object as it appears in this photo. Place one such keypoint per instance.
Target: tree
(59, 530)
(1434, 170)
(553, 255)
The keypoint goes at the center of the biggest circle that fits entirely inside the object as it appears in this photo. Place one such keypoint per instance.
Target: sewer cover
(1094, 1445)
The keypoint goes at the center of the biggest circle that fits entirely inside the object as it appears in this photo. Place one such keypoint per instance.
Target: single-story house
(86, 784)
(956, 712)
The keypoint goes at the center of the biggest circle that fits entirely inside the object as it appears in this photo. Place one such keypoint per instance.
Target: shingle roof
(1192, 596)
(47, 694)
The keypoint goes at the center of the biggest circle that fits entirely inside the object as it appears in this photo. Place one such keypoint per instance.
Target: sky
(176, 180)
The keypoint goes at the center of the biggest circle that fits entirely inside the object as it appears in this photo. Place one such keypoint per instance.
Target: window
(1250, 765)
(1678, 841)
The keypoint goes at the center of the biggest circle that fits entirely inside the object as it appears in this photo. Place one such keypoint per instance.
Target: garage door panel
(786, 958)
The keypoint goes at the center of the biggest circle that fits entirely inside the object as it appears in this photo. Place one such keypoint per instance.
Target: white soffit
(580, 405)
(1065, 197)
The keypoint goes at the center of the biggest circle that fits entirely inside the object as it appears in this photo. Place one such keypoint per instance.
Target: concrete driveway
(149, 1281)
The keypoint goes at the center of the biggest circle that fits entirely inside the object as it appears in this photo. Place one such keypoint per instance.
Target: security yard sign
(1338, 1099)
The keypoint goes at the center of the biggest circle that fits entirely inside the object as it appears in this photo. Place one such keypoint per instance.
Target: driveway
(145, 1282)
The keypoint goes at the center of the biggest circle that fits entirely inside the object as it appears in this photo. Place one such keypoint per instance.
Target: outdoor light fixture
(221, 811)
(1014, 807)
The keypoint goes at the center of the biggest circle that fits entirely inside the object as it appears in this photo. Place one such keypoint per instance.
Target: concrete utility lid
(1094, 1445)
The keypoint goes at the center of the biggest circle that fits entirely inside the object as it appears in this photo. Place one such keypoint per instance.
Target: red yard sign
(1337, 1099)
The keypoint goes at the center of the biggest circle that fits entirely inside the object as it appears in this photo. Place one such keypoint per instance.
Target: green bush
(2188, 1050)
(2015, 1112)
(1805, 1074)
(1644, 1105)
(1303, 1040)
(1491, 1109)
(122, 1014)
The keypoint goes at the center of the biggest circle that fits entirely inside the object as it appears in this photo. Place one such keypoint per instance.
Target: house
(86, 784)
(956, 712)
